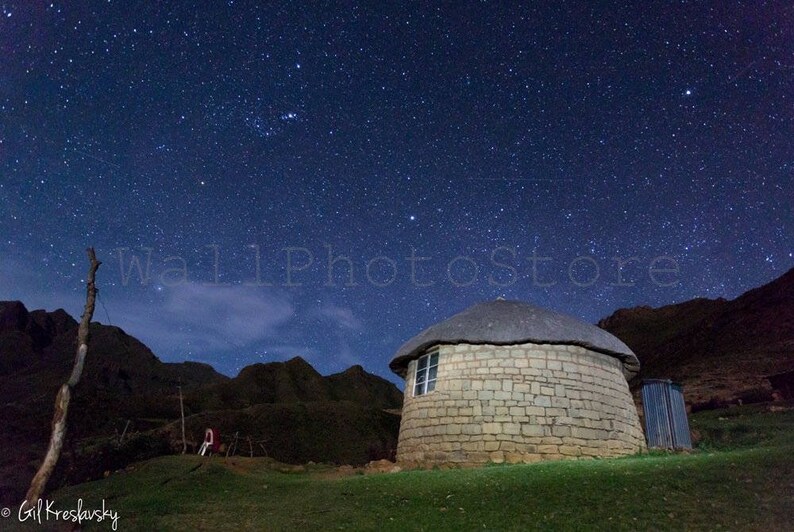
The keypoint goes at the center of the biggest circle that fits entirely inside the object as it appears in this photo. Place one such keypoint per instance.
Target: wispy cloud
(342, 317)
(226, 326)
(204, 318)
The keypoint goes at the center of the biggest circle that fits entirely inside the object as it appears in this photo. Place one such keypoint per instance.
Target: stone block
(542, 400)
(479, 457)
(537, 363)
(511, 428)
(491, 428)
(493, 385)
(454, 429)
(560, 402)
(491, 446)
(513, 458)
(570, 367)
(570, 450)
(507, 446)
(471, 429)
(533, 430)
(497, 457)
(535, 411)
(548, 449)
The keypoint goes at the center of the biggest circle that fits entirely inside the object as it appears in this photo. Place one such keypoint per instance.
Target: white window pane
(431, 374)
(431, 385)
(422, 364)
(434, 359)
(418, 389)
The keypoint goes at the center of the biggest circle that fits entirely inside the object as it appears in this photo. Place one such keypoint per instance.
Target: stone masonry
(519, 403)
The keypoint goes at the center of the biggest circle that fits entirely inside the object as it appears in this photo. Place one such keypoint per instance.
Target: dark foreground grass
(746, 488)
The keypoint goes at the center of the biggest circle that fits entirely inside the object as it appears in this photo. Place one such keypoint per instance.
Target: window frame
(422, 373)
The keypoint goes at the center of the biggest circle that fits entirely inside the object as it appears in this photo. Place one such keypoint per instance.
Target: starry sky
(270, 179)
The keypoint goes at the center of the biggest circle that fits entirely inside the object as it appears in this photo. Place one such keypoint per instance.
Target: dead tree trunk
(39, 481)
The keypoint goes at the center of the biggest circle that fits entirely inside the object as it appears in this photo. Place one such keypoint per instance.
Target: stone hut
(508, 381)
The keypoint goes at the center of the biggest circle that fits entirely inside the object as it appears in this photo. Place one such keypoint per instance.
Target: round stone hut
(508, 381)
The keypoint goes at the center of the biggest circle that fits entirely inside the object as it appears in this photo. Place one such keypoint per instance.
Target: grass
(744, 480)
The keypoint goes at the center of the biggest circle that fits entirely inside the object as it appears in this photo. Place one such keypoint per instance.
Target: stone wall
(521, 403)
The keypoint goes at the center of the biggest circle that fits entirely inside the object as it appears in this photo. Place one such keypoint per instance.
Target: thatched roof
(503, 322)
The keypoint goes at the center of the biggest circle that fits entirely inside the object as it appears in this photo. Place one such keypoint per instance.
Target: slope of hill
(339, 432)
(720, 350)
(124, 381)
(295, 381)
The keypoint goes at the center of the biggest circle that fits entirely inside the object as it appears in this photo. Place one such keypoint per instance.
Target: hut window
(426, 371)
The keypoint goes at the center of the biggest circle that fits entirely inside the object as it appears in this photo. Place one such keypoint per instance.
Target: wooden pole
(233, 444)
(41, 477)
(182, 412)
(121, 438)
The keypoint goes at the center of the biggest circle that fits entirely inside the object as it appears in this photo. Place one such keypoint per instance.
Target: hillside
(295, 381)
(720, 350)
(124, 381)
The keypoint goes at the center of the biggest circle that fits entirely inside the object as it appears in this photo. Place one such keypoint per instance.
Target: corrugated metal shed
(666, 424)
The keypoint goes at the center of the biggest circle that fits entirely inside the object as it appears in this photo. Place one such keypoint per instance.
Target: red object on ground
(213, 439)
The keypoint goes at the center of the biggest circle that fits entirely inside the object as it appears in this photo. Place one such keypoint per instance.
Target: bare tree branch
(39, 481)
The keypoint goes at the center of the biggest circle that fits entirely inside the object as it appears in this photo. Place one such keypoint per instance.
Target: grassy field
(741, 478)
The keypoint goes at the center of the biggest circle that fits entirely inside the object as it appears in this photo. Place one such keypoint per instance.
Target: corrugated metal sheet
(666, 424)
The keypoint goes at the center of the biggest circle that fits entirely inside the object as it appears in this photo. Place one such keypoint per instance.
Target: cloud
(242, 313)
(342, 317)
(199, 318)
(346, 357)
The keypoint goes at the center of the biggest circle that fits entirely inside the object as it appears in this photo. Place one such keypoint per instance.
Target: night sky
(328, 179)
